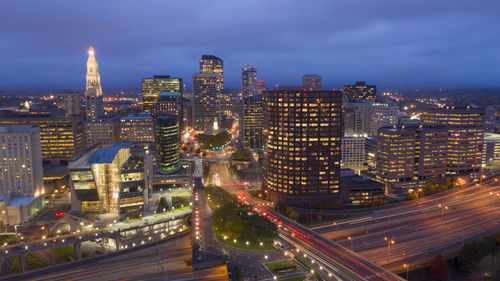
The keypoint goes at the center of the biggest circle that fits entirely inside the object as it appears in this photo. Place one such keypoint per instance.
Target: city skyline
(393, 46)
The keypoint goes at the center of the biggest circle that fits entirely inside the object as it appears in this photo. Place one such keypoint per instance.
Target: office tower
(110, 180)
(153, 87)
(409, 155)
(360, 91)
(302, 154)
(167, 142)
(170, 103)
(21, 174)
(93, 92)
(226, 104)
(20, 160)
(70, 103)
(252, 122)
(249, 81)
(356, 118)
(491, 150)
(261, 87)
(137, 128)
(62, 138)
(187, 113)
(103, 132)
(381, 115)
(311, 82)
(353, 151)
(210, 64)
(206, 101)
(465, 128)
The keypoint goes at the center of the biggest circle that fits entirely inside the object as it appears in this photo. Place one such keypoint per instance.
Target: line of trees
(210, 141)
(236, 220)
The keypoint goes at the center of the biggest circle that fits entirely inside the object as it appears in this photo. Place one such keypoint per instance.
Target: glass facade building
(167, 142)
(253, 122)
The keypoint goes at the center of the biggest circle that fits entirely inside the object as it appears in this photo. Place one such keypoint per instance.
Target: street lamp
(350, 239)
(442, 210)
(389, 243)
(407, 266)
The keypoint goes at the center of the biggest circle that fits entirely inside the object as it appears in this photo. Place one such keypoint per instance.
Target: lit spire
(91, 50)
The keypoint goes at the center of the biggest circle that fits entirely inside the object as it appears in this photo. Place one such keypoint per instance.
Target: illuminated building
(302, 154)
(356, 118)
(353, 151)
(61, 137)
(252, 122)
(104, 132)
(361, 191)
(360, 91)
(93, 91)
(226, 103)
(153, 87)
(249, 81)
(21, 175)
(261, 87)
(206, 101)
(137, 128)
(409, 155)
(210, 64)
(110, 180)
(311, 82)
(381, 115)
(169, 103)
(491, 150)
(167, 142)
(465, 128)
(20, 160)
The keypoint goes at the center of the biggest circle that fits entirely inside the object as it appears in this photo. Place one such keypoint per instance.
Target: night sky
(391, 43)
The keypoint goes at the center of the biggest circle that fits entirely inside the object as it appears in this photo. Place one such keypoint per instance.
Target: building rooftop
(107, 154)
(142, 115)
(18, 129)
(20, 201)
(209, 57)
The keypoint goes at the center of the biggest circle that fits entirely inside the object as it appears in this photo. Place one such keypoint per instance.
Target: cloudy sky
(392, 43)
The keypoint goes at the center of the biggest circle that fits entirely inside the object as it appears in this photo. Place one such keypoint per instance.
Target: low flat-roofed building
(491, 150)
(358, 190)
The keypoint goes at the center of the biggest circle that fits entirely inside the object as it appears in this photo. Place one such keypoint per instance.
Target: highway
(149, 264)
(415, 231)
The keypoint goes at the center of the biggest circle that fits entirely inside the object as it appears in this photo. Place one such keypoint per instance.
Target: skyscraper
(93, 91)
(21, 170)
(360, 91)
(211, 64)
(167, 142)
(153, 87)
(465, 128)
(252, 122)
(381, 115)
(206, 101)
(170, 103)
(311, 82)
(261, 87)
(302, 154)
(249, 81)
(356, 118)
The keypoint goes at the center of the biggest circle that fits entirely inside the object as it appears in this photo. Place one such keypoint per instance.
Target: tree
(242, 154)
(292, 214)
(412, 196)
(162, 205)
(438, 268)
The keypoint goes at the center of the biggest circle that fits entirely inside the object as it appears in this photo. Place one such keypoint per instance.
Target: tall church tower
(93, 90)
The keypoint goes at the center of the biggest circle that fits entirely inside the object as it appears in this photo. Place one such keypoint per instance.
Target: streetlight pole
(350, 239)
(407, 266)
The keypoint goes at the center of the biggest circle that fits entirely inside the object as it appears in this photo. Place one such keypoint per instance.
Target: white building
(21, 176)
(353, 151)
(93, 91)
(382, 115)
